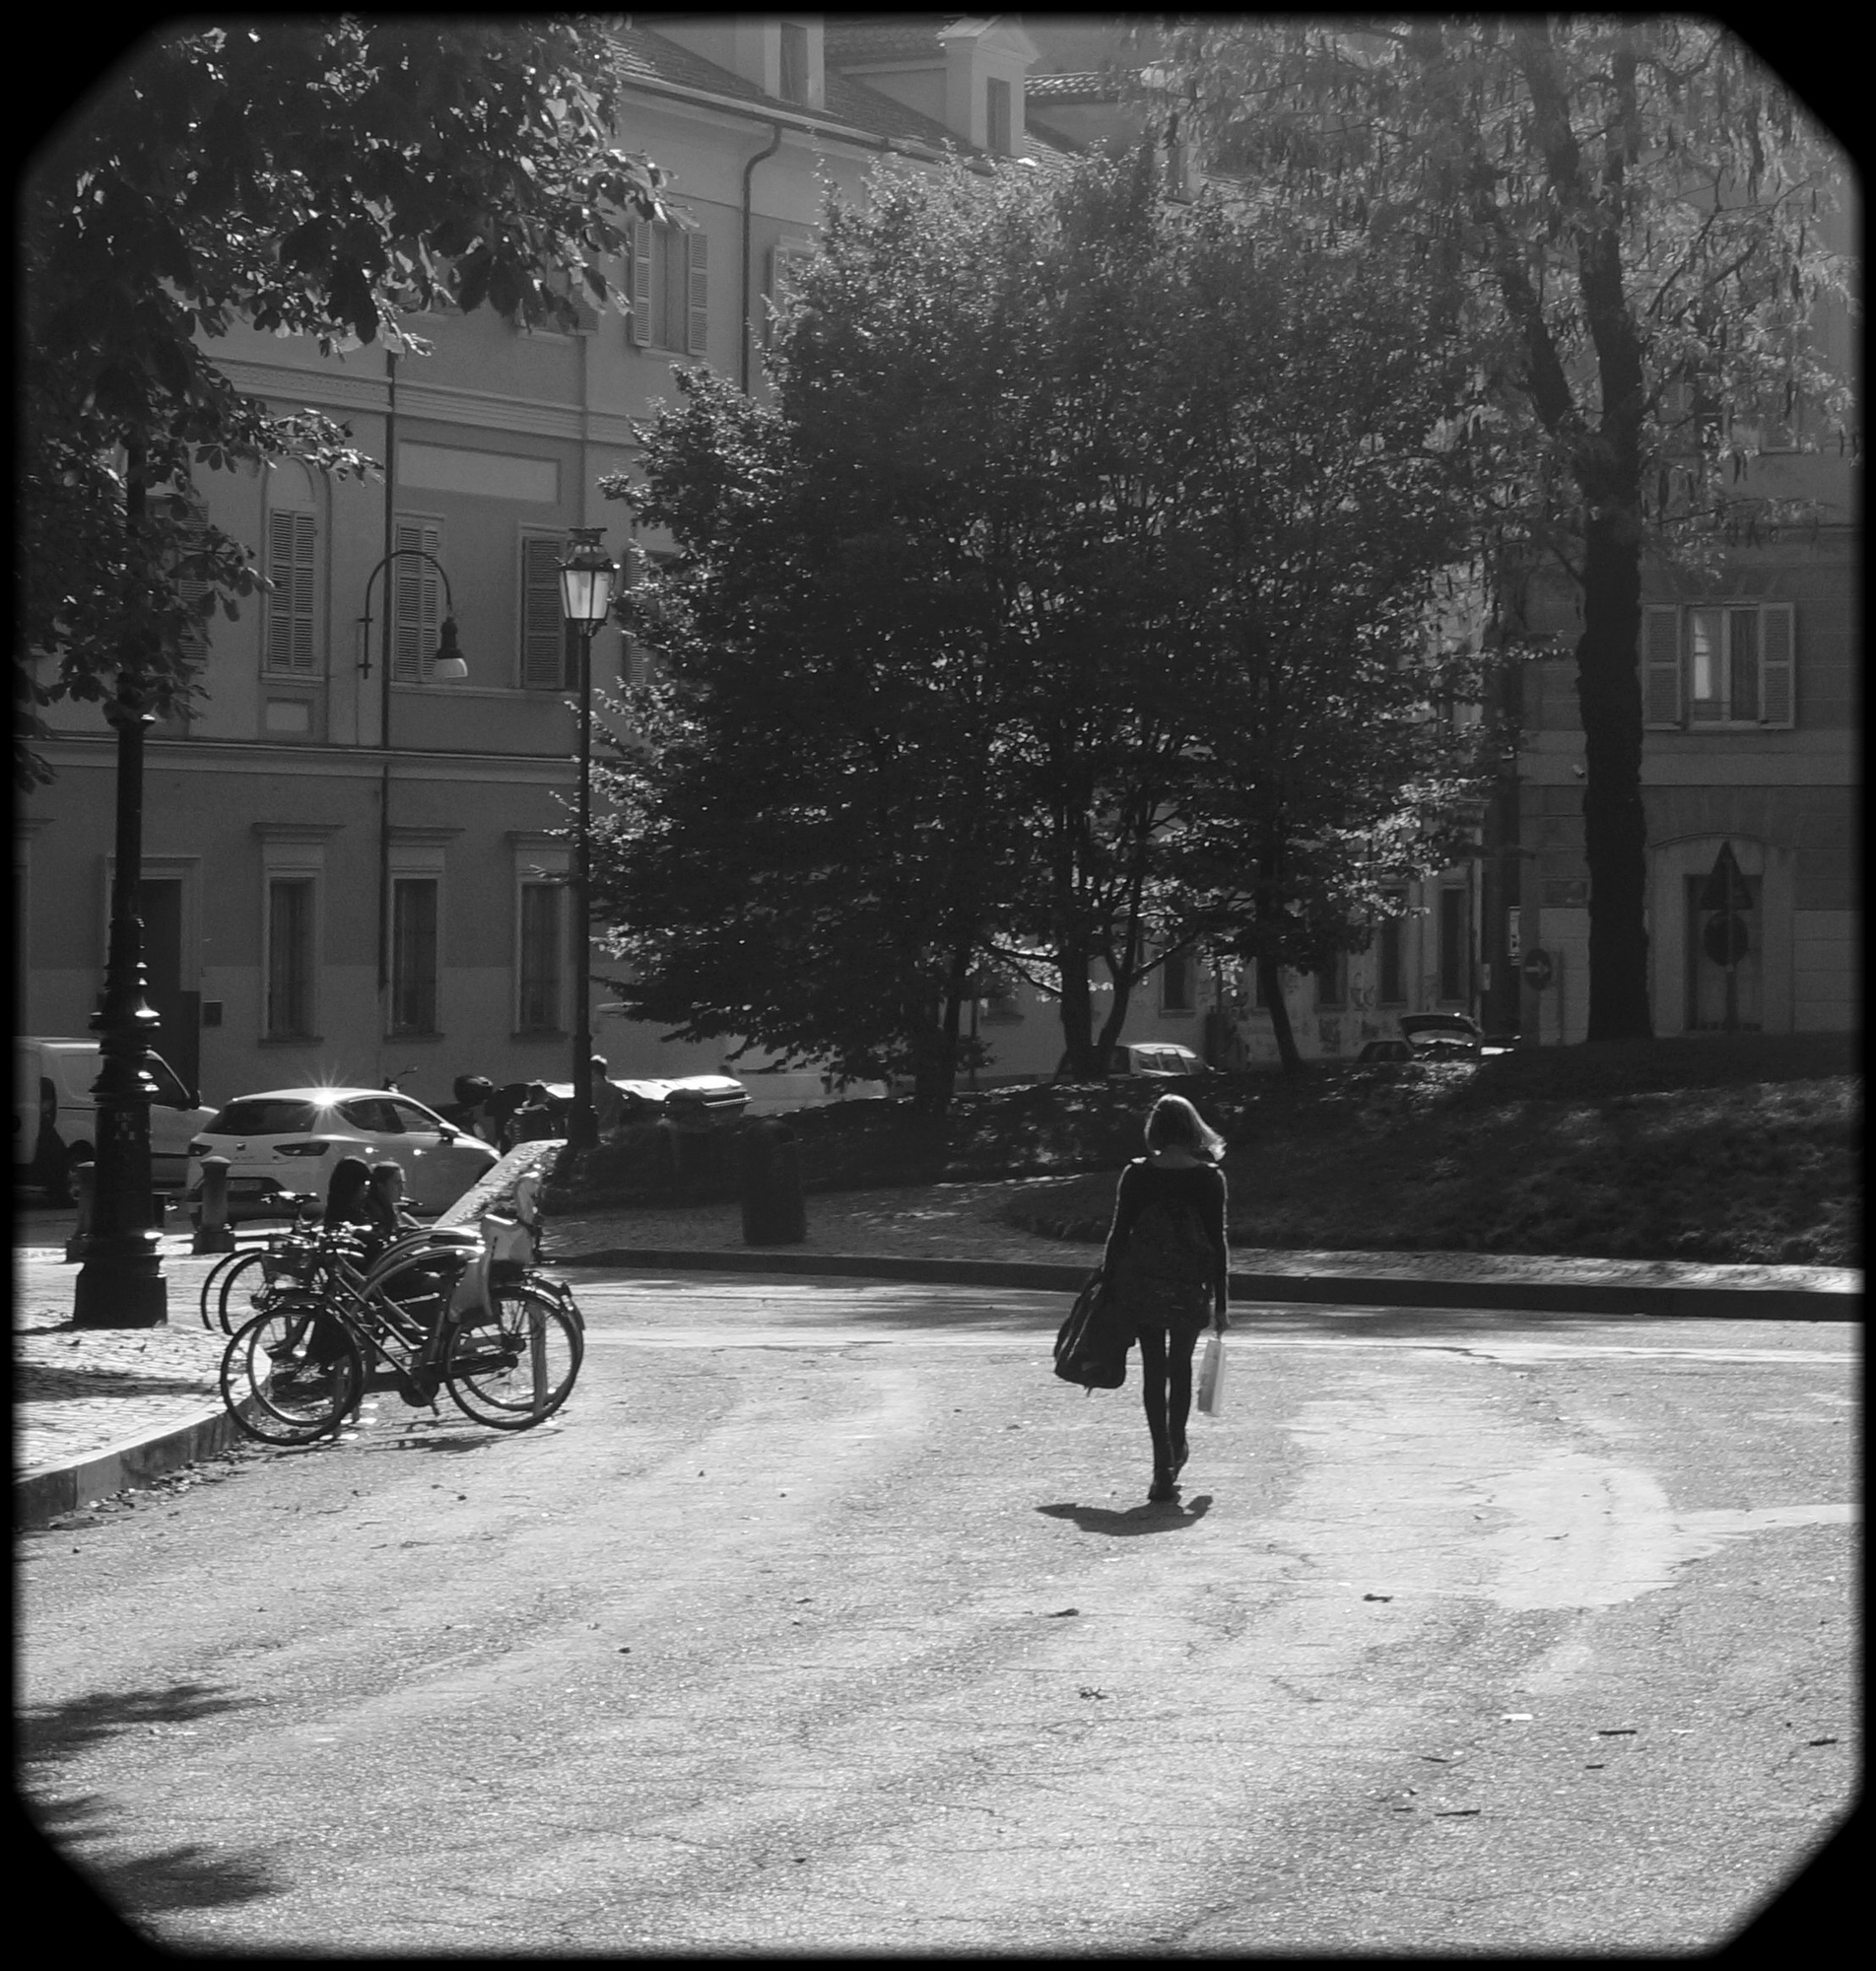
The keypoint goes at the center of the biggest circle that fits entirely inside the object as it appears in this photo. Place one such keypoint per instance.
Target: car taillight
(300, 1149)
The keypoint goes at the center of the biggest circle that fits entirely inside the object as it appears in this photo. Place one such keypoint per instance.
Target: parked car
(287, 1141)
(1156, 1058)
(773, 1089)
(690, 1101)
(55, 1115)
(1437, 1037)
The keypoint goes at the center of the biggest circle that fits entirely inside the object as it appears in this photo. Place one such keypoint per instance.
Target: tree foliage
(307, 176)
(1084, 554)
(1628, 217)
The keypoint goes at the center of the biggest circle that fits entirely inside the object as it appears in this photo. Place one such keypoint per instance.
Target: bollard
(213, 1234)
(84, 1179)
(774, 1212)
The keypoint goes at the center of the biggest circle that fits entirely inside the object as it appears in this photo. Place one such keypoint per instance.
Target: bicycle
(242, 1283)
(423, 1316)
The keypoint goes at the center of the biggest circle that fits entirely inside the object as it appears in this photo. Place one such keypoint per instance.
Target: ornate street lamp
(587, 578)
(120, 1281)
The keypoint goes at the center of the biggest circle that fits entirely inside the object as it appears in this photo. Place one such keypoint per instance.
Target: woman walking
(1167, 1264)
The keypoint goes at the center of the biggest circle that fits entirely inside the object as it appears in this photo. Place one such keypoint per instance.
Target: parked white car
(291, 1140)
(1156, 1058)
(56, 1115)
(774, 1089)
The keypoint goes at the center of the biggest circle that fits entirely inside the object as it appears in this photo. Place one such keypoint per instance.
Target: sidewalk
(98, 1410)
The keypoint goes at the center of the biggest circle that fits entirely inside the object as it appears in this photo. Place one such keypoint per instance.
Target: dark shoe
(1165, 1487)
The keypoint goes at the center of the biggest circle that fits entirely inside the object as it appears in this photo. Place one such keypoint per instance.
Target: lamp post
(448, 667)
(587, 576)
(120, 1281)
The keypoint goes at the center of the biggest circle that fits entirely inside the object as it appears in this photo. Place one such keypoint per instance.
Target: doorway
(179, 1036)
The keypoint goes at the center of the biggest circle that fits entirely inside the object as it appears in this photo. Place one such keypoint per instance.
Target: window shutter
(1777, 655)
(638, 327)
(697, 334)
(417, 618)
(194, 640)
(289, 567)
(1661, 664)
(543, 627)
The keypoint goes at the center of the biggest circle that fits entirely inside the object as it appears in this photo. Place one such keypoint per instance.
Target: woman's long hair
(345, 1192)
(1174, 1124)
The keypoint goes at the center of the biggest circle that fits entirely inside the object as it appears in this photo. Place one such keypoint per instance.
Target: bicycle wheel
(241, 1290)
(517, 1370)
(211, 1282)
(292, 1374)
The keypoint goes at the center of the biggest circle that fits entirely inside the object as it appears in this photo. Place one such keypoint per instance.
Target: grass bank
(1743, 1150)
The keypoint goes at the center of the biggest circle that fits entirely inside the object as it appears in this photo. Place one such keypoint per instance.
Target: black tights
(1166, 1387)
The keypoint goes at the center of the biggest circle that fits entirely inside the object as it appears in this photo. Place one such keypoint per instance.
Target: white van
(55, 1117)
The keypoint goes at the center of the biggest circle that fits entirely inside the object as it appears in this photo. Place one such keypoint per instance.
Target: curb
(1342, 1289)
(44, 1495)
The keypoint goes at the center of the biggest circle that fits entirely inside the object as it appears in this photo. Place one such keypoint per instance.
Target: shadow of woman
(1148, 1519)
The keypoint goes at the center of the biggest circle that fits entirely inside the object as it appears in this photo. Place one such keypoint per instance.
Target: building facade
(355, 871)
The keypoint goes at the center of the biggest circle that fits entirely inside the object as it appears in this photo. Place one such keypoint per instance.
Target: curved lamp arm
(446, 638)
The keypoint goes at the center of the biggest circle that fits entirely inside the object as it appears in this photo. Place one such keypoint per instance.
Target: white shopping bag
(1211, 1374)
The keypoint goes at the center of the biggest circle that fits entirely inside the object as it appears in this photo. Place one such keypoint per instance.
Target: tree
(1326, 528)
(317, 176)
(1081, 536)
(1626, 212)
(800, 846)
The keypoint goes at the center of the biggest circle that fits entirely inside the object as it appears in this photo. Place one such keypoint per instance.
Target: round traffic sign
(1536, 969)
(1724, 941)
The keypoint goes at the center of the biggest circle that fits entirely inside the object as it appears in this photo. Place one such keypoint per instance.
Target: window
(1332, 980)
(414, 955)
(1178, 980)
(996, 116)
(670, 287)
(417, 600)
(794, 62)
(288, 987)
(1393, 973)
(550, 654)
(373, 1113)
(289, 603)
(1452, 943)
(265, 1117)
(541, 967)
(1726, 663)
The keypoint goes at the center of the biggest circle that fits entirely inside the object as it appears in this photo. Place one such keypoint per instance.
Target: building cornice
(439, 403)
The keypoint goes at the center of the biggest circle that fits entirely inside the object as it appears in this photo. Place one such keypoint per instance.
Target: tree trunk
(1109, 1034)
(1615, 822)
(1270, 985)
(1609, 666)
(1080, 1062)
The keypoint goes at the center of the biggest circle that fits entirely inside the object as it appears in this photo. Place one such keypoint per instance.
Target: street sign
(1724, 940)
(1537, 969)
(1725, 886)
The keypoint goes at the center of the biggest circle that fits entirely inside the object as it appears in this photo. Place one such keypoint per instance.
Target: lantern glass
(587, 576)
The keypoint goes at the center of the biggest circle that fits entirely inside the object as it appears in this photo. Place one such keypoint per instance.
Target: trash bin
(775, 1213)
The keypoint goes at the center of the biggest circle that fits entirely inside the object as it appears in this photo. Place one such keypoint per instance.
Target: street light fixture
(587, 578)
(448, 666)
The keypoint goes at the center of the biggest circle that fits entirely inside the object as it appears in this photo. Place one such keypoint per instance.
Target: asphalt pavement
(825, 1620)
(98, 1410)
